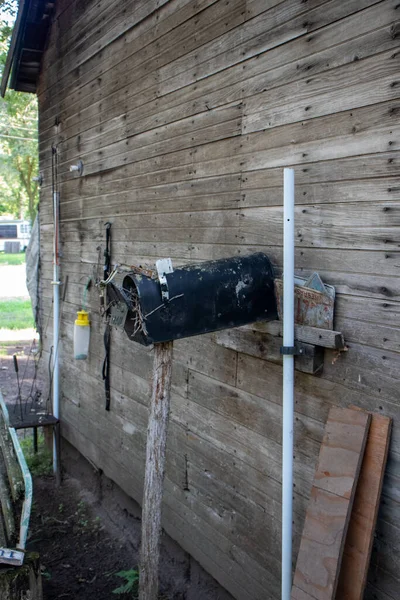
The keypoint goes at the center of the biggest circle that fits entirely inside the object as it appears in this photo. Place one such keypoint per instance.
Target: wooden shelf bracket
(264, 340)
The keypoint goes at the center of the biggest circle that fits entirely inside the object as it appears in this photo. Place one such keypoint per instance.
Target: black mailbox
(199, 298)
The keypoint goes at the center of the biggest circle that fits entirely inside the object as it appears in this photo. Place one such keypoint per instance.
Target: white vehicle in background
(12, 230)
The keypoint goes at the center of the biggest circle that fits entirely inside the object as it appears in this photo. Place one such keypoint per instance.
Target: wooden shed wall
(184, 113)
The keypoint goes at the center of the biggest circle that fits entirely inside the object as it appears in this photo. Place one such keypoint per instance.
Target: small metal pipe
(56, 323)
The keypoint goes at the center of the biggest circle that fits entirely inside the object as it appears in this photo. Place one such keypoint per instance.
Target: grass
(12, 259)
(40, 463)
(16, 314)
(4, 344)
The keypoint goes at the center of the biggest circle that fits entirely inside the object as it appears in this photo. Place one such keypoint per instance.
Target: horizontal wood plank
(303, 333)
(266, 346)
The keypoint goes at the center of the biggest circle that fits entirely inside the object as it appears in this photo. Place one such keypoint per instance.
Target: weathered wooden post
(180, 303)
(155, 470)
(23, 582)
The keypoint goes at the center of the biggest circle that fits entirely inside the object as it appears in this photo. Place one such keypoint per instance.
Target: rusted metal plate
(311, 307)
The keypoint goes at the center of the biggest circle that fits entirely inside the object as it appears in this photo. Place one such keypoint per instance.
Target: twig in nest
(138, 321)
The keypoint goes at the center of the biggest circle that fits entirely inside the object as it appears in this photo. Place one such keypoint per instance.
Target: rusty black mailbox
(199, 298)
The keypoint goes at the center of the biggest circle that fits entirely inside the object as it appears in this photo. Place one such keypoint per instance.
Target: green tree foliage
(18, 136)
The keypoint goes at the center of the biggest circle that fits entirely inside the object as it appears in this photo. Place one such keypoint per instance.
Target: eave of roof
(27, 44)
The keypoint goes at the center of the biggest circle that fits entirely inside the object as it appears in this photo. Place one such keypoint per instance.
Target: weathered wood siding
(184, 113)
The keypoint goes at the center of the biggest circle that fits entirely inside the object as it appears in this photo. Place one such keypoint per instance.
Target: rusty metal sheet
(311, 307)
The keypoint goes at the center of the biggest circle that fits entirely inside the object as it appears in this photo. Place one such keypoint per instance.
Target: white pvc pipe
(56, 322)
(288, 381)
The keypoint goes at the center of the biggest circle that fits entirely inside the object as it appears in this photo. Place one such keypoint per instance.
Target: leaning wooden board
(329, 510)
(360, 535)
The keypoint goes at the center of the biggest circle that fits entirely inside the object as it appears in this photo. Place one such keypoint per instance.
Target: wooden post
(155, 469)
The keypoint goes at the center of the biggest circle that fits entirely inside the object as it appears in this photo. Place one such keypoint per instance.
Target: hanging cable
(104, 305)
(85, 291)
(38, 316)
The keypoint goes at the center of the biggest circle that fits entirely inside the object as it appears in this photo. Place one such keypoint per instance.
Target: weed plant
(40, 463)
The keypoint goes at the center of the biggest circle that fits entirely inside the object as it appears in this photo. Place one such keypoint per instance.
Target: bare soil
(79, 557)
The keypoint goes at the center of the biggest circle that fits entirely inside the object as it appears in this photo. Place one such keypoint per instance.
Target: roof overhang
(27, 45)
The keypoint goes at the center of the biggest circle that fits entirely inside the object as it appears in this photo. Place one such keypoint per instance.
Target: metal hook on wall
(78, 168)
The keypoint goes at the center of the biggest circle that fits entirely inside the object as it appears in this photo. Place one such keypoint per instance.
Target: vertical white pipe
(288, 381)
(56, 322)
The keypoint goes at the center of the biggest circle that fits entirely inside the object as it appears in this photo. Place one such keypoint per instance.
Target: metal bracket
(38, 179)
(78, 168)
(164, 266)
(118, 314)
(291, 350)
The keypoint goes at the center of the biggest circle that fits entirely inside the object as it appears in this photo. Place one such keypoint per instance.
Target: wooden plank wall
(184, 113)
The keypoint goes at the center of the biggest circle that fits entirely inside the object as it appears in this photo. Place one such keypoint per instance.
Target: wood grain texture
(155, 471)
(266, 346)
(159, 101)
(328, 513)
(325, 338)
(360, 535)
(341, 452)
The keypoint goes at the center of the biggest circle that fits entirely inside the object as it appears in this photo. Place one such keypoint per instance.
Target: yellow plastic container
(81, 335)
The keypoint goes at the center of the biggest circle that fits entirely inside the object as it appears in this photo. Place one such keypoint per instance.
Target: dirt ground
(79, 558)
